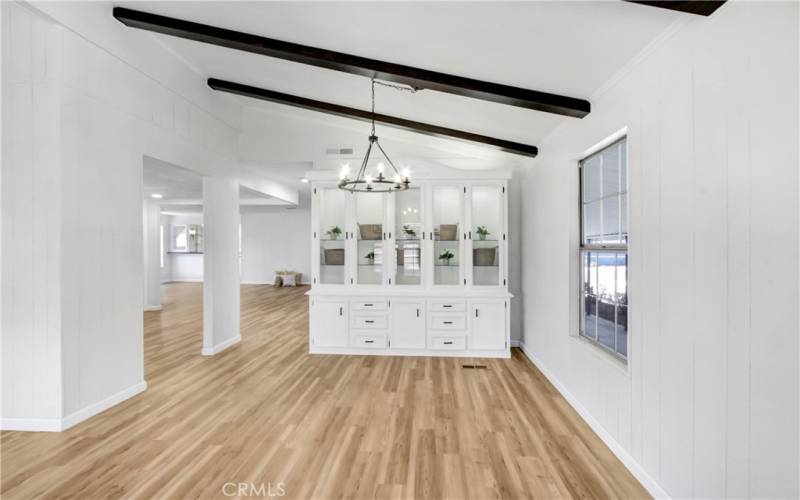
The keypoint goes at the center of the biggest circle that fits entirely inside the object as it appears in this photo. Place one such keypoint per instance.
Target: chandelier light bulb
(406, 173)
(380, 168)
(345, 171)
(368, 179)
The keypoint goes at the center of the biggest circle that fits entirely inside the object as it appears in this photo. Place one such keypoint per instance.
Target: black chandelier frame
(362, 183)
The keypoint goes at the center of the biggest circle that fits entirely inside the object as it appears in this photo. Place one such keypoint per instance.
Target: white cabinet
(408, 324)
(328, 322)
(488, 329)
(415, 272)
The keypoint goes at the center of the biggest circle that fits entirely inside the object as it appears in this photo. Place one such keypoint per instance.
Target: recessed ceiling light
(156, 196)
(304, 180)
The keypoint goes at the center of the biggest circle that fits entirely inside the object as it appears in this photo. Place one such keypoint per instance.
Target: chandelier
(378, 183)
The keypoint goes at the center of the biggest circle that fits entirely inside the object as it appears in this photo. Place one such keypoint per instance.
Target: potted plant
(334, 232)
(482, 232)
(370, 257)
(409, 231)
(446, 256)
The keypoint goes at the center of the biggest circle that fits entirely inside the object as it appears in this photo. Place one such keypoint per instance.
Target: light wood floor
(265, 411)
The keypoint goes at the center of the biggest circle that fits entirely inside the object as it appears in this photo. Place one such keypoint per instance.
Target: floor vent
(474, 367)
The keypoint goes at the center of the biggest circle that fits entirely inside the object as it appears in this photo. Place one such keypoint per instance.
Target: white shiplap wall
(708, 407)
(31, 233)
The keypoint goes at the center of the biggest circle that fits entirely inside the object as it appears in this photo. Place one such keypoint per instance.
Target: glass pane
(446, 234)
(408, 234)
(369, 238)
(621, 298)
(606, 305)
(611, 168)
(487, 229)
(591, 179)
(590, 295)
(591, 222)
(331, 236)
(623, 216)
(610, 230)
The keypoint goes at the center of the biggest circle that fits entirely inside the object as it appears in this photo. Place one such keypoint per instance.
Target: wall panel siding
(708, 407)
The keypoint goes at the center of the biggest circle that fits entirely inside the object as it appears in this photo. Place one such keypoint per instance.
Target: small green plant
(482, 232)
(370, 257)
(409, 231)
(446, 256)
(334, 232)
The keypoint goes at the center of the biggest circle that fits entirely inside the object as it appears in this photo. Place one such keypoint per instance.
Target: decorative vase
(482, 237)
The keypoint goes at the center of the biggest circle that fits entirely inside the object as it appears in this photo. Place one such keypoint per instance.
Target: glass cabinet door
(486, 233)
(370, 259)
(447, 229)
(332, 227)
(408, 237)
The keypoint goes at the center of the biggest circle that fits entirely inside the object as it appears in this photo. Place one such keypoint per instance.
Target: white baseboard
(622, 454)
(515, 342)
(31, 424)
(152, 308)
(57, 425)
(210, 351)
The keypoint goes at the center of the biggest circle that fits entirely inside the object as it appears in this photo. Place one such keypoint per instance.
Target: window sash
(617, 248)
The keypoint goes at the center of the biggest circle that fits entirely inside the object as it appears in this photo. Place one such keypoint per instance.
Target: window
(179, 237)
(604, 248)
(161, 245)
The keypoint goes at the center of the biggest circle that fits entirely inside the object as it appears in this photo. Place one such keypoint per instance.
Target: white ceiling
(569, 48)
(180, 187)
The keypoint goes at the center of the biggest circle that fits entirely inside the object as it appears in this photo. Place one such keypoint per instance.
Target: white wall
(166, 271)
(151, 221)
(275, 238)
(31, 232)
(75, 347)
(708, 407)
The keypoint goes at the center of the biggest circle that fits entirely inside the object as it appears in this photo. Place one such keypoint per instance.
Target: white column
(152, 256)
(220, 264)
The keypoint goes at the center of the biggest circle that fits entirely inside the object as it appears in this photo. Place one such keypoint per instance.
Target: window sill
(620, 364)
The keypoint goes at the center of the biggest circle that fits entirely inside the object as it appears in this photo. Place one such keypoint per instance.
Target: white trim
(31, 424)
(100, 406)
(608, 141)
(516, 343)
(152, 308)
(58, 425)
(210, 351)
(617, 449)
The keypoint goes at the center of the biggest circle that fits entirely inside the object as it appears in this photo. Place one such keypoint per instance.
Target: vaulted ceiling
(568, 48)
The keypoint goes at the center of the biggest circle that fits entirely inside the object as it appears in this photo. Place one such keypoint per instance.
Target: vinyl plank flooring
(265, 411)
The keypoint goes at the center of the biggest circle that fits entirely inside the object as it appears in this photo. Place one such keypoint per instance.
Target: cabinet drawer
(370, 322)
(370, 341)
(448, 305)
(369, 305)
(448, 322)
(455, 343)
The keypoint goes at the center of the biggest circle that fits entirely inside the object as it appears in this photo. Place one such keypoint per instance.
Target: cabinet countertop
(421, 293)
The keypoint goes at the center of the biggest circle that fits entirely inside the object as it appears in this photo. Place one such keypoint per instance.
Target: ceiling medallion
(378, 183)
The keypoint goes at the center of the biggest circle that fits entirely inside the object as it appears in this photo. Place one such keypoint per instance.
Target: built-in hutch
(417, 272)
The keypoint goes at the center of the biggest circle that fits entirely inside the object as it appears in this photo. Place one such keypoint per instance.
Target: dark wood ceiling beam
(363, 115)
(699, 7)
(407, 75)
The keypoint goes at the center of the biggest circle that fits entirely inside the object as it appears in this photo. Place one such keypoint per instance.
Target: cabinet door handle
(418, 313)
(476, 312)
(448, 342)
(470, 235)
(367, 305)
(447, 306)
(369, 341)
(340, 311)
(369, 321)
(448, 322)
(390, 235)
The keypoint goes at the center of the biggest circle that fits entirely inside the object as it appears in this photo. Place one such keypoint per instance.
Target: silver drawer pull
(369, 321)
(448, 322)
(447, 306)
(448, 342)
(369, 341)
(368, 305)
